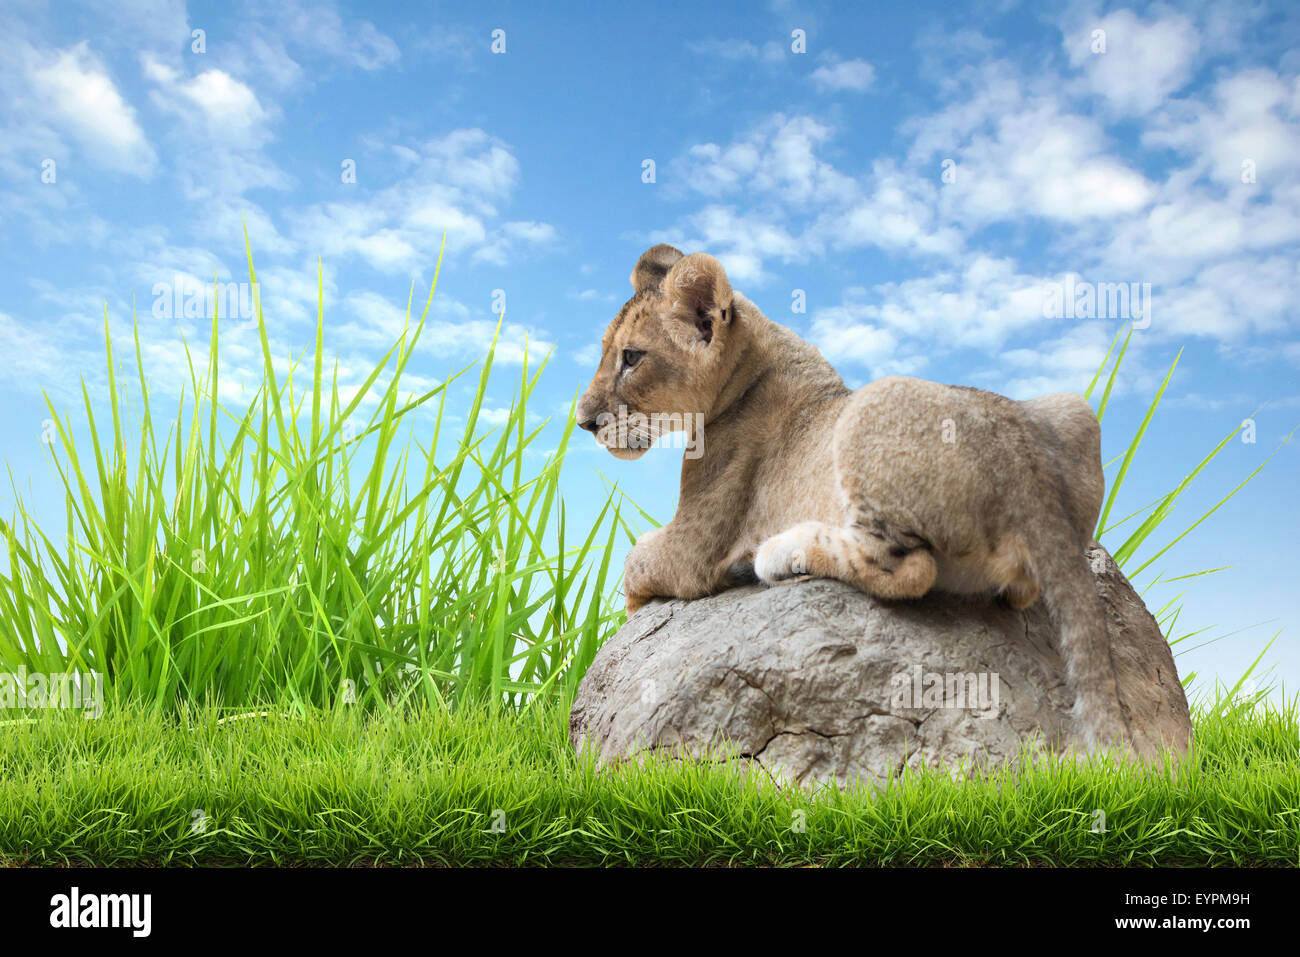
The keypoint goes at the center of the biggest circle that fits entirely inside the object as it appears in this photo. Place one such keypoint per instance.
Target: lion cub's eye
(631, 357)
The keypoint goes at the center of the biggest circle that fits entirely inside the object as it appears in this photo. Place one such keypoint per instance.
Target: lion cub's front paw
(783, 557)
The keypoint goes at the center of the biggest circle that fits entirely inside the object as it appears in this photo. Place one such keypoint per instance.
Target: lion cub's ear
(653, 265)
(699, 298)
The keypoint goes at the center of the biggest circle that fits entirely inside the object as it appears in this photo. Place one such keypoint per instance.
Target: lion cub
(897, 488)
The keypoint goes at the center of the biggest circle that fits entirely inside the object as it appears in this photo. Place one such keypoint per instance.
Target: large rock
(818, 682)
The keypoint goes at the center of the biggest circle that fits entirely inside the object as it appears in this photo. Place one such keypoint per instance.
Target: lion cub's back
(907, 435)
(906, 411)
(972, 447)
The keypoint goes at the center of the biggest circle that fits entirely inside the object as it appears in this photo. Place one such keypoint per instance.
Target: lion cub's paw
(784, 557)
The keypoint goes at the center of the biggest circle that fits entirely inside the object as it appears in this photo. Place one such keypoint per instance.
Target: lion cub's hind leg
(1021, 593)
(818, 550)
(1012, 565)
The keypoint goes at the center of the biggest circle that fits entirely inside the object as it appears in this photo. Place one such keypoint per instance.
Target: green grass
(1125, 546)
(293, 549)
(424, 785)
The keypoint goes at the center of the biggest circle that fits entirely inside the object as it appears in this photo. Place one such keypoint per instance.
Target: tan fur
(897, 488)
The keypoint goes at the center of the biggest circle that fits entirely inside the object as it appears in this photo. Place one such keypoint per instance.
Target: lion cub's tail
(1071, 597)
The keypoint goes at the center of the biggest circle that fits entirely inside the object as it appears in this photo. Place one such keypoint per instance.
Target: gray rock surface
(816, 682)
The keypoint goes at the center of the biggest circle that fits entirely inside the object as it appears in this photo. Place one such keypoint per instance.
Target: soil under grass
(424, 786)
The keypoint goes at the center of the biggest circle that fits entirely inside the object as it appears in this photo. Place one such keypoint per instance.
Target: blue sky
(926, 174)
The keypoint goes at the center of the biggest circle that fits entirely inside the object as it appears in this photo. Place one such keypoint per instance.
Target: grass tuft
(297, 551)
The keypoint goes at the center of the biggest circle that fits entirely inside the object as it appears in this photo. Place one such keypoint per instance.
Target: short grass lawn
(472, 787)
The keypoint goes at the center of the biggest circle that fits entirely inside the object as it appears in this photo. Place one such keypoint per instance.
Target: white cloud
(457, 186)
(853, 75)
(901, 329)
(1145, 61)
(777, 158)
(58, 362)
(1030, 150)
(321, 29)
(471, 340)
(32, 361)
(794, 204)
(292, 295)
(81, 99)
(449, 332)
(1254, 117)
(1021, 156)
(228, 108)
(218, 149)
(980, 306)
(1060, 363)
(741, 241)
(1191, 228)
(897, 211)
(510, 238)
(845, 334)
(1232, 300)
(379, 322)
(290, 42)
(262, 54)
(1042, 161)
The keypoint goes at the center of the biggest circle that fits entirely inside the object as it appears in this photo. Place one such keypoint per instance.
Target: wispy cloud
(81, 99)
(855, 76)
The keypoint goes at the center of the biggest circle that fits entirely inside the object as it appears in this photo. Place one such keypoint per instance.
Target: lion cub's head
(664, 357)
